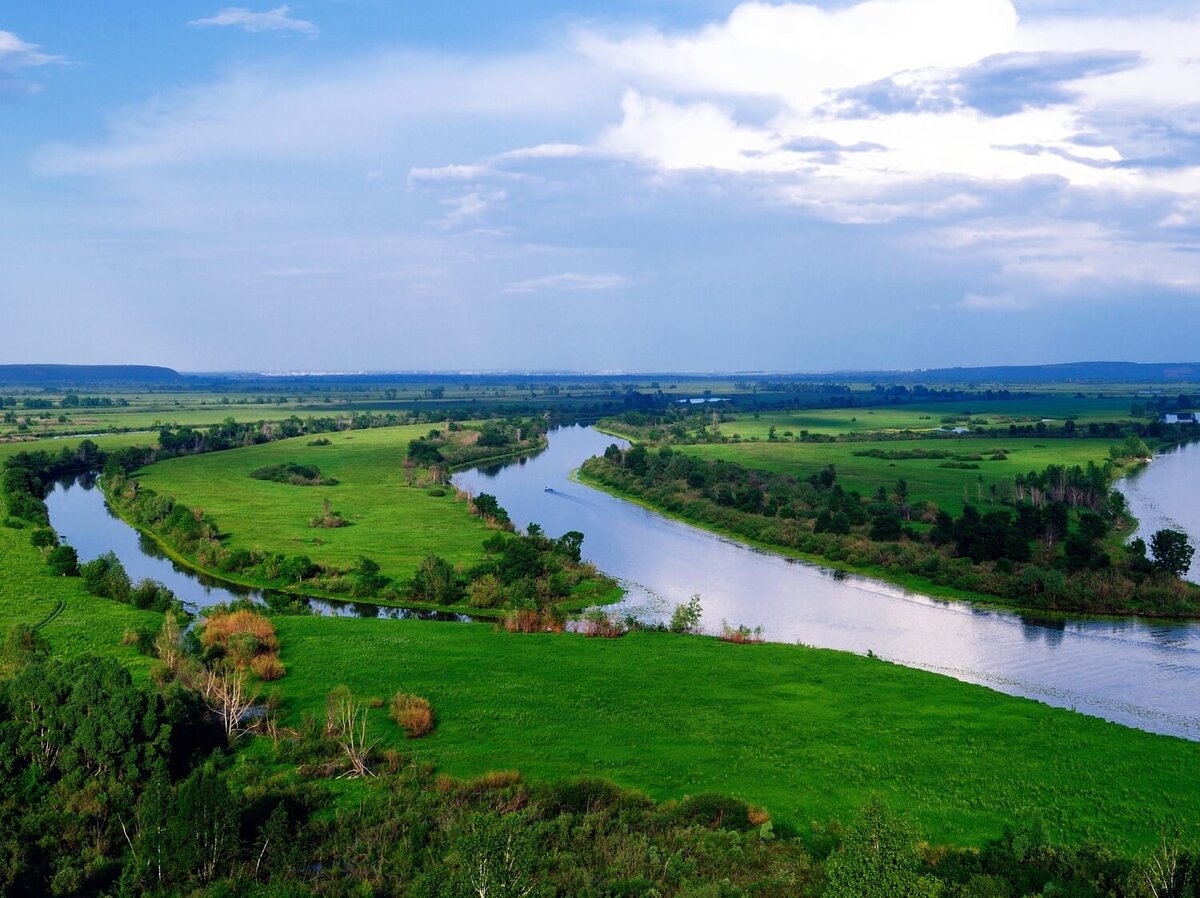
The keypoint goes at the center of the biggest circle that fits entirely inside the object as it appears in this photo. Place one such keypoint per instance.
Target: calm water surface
(1137, 673)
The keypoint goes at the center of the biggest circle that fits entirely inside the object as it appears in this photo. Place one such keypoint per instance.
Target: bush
(241, 635)
(297, 475)
(716, 812)
(267, 667)
(43, 538)
(686, 618)
(63, 561)
(413, 713)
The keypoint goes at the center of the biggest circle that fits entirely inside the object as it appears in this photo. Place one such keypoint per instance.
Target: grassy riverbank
(811, 734)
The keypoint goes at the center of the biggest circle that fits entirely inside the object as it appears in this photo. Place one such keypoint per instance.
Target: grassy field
(390, 521)
(811, 734)
(927, 482)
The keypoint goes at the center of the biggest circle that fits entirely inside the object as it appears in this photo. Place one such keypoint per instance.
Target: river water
(1139, 673)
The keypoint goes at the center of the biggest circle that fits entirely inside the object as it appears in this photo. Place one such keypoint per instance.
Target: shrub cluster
(293, 473)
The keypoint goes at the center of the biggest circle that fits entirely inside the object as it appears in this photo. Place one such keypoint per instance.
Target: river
(1138, 673)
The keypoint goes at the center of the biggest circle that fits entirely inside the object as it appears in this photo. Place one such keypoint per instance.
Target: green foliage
(879, 858)
(63, 561)
(437, 582)
(1172, 551)
(294, 474)
(685, 618)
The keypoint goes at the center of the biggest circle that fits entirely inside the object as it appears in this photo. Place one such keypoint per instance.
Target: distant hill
(54, 375)
(1070, 372)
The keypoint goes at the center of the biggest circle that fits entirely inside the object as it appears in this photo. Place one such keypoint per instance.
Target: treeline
(71, 400)
(108, 787)
(1045, 549)
(456, 446)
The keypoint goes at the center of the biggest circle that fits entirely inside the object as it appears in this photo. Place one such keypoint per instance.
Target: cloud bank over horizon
(888, 183)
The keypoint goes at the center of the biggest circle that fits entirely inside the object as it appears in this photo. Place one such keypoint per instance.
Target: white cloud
(470, 207)
(277, 19)
(16, 53)
(448, 173)
(1003, 302)
(568, 281)
(799, 58)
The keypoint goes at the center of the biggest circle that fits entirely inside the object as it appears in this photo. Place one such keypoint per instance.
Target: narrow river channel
(1138, 673)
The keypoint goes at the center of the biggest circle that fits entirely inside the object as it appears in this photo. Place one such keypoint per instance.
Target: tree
(686, 617)
(346, 723)
(878, 858)
(435, 580)
(63, 561)
(1172, 551)
(168, 644)
(227, 695)
(496, 856)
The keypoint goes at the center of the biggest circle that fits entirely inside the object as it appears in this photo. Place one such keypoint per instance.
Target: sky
(627, 185)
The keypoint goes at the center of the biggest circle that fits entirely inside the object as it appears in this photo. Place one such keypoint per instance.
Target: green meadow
(393, 521)
(928, 481)
(810, 734)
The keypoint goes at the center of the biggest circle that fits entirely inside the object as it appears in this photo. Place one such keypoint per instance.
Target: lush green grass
(75, 623)
(390, 521)
(927, 482)
(808, 733)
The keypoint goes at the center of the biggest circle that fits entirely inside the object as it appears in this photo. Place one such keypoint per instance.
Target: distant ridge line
(47, 375)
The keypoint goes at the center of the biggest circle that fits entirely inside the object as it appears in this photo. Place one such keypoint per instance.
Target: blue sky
(636, 185)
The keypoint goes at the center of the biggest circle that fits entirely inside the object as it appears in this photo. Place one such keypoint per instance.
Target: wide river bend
(1139, 673)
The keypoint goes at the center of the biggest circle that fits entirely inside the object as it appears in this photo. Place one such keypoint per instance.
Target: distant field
(106, 441)
(811, 734)
(390, 521)
(926, 481)
(929, 416)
